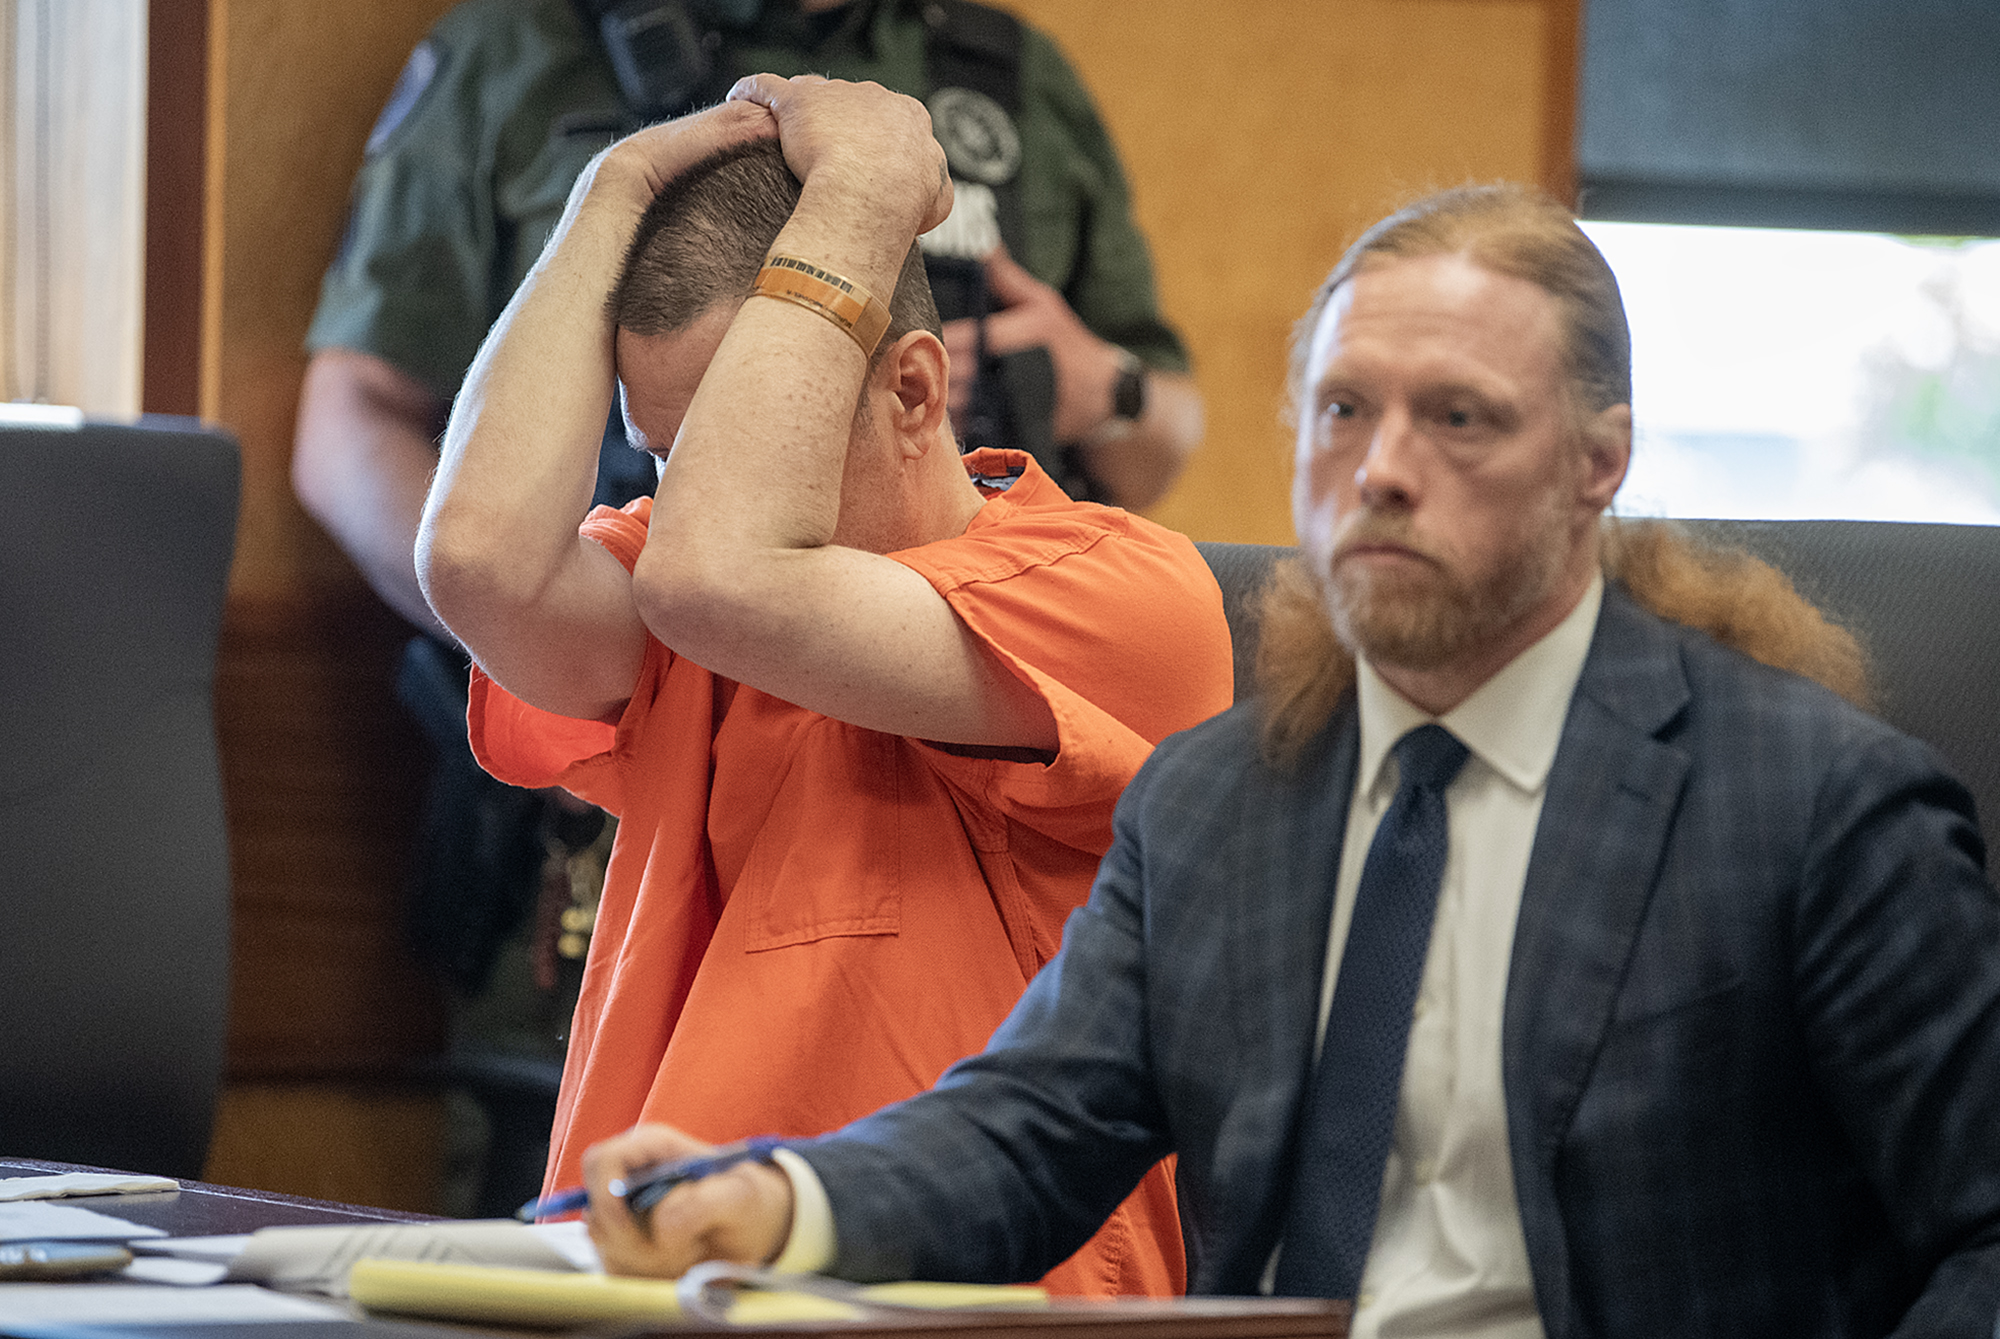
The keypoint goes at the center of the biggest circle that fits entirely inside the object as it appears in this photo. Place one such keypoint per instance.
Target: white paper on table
(317, 1259)
(201, 1260)
(81, 1183)
(572, 1239)
(38, 1220)
(180, 1273)
(185, 1261)
(109, 1303)
(215, 1250)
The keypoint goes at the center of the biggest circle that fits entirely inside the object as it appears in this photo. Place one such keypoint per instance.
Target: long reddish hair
(1726, 592)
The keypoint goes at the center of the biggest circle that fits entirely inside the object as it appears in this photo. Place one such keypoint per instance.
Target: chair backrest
(1924, 599)
(115, 544)
(1925, 602)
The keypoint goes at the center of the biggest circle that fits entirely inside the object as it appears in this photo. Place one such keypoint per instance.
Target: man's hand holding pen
(718, 1203)
(647, 1186)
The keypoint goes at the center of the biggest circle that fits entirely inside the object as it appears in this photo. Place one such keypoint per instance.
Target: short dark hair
(1514, 231)
(705, 236)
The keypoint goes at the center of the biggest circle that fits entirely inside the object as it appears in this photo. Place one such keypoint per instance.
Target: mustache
(1375, 527)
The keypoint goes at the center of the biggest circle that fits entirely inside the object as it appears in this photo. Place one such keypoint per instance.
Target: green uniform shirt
(506, 100)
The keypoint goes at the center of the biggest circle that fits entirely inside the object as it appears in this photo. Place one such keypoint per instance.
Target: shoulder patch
(979, 138)
(418, 71)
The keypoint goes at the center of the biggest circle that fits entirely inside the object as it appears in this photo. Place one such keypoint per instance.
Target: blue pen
(649, 1185)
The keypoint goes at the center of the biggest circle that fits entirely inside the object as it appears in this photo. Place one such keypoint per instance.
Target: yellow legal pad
(551, 1297)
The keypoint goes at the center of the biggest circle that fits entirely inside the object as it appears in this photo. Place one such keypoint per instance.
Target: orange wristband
(842, 301)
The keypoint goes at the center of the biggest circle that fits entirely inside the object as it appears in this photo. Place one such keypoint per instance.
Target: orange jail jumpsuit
(804, 920)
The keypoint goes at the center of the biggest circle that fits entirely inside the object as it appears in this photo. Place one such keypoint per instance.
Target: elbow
(442, 577)
(316, 479)
(669, 586)
(460, 576)
(1182, 422)
(691, 600)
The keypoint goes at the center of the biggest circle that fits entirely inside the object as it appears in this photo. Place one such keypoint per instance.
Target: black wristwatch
(1128, 391)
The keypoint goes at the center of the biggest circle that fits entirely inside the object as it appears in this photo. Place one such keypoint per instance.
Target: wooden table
(200, 1210)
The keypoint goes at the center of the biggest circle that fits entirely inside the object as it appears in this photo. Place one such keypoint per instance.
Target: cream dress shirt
(1448, 1260)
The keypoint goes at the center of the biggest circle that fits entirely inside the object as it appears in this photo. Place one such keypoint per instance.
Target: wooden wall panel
(320, 774)
(357, 1143)
(176, 171)
(1261, 136)
(302, 86)
(320, 766)
(318, 761)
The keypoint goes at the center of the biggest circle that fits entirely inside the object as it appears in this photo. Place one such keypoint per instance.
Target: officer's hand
(1033, 314)
(858, 138)
(742, 1214)
(652, 157)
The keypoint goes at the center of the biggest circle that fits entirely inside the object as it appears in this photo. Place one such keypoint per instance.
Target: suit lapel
(1612, 795)
(1290, 836)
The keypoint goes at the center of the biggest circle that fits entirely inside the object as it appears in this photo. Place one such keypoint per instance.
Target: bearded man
(1525, 960)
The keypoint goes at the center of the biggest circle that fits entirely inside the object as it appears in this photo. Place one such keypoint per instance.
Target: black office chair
(115, 543)
(1924, 600)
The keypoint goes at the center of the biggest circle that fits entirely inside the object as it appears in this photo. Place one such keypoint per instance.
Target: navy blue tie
(1351, 1110)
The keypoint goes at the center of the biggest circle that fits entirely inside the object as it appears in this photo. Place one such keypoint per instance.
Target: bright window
(1783, 374)
(72, 202)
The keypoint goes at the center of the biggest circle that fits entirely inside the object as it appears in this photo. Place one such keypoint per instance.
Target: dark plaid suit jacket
(1751, 1045)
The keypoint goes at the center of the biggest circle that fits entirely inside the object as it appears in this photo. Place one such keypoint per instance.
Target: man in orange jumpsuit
(862, 705)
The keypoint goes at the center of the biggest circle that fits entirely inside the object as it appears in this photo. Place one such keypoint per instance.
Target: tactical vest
(670, 58)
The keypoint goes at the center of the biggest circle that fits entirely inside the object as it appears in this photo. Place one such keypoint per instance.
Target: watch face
(1128, 393)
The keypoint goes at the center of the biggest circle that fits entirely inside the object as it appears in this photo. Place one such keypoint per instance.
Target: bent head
(1462, 391)
(693, 260)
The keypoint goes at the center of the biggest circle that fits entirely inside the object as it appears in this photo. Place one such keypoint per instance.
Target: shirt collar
(1015, 475)
(1512, 722)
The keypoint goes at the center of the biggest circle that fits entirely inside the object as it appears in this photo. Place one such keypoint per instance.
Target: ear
(912, 375)
(1607, 451)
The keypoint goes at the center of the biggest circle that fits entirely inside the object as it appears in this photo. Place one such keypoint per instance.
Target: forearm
(498, 554)
(758, 466)
(744, 575)
(362, 462)
(786, 488)
(1136, 464)
(753, 584)
(520, 450)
